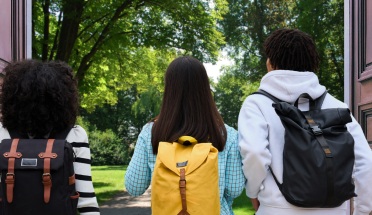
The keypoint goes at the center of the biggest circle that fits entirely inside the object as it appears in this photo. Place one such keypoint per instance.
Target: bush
(107, 148)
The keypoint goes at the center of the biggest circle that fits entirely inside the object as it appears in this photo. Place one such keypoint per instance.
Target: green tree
(230, 92)
(146, 107)
(321, 19)
(107, 41)
(107, 148)
(125, 118)
(146, 68)
(246, 27)
(249, 22)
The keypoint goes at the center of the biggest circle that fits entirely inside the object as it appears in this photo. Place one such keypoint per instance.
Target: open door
(358, 63)
(361, 64)
(15, 30)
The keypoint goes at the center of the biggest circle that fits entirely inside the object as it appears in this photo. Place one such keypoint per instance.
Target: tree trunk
(72, 11)
(86, 61)
(44, 54)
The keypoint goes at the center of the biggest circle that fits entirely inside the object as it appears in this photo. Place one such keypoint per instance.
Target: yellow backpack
(185, 179)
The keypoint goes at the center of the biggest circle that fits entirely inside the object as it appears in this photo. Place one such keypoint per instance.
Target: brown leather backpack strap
(71, 180)
(10, 176)
(47, 178)
(183, 192)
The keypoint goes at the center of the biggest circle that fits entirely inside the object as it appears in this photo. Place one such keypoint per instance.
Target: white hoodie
(261, 141)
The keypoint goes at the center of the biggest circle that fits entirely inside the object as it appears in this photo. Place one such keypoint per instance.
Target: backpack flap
(166, 156)
(32, 154)
(171, 154)
(325, 118)
(295, 116)
(199, 155)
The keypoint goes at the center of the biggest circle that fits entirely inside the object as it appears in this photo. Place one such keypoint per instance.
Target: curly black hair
(38, 98)
(292, 49)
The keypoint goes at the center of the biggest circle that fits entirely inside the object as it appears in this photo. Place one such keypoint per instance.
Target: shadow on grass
(100, 184)
(107, 195)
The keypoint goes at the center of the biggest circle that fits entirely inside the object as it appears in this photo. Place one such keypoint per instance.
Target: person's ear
(268, 65)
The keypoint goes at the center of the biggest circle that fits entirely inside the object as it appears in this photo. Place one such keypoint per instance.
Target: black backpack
(37, 176)
(318, 155)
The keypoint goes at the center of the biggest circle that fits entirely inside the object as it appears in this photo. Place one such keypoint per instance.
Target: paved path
(124, 204)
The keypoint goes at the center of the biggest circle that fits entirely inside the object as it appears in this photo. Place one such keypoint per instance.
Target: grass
(242, 205)
(109, 180)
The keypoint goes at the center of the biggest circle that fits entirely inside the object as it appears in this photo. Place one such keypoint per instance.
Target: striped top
(231, 178)
(87, 204)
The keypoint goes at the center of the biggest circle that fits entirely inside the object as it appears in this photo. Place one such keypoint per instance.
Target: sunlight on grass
(108, 181)
(242, 205)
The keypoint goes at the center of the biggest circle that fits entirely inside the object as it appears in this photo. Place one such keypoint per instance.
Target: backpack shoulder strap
(262, 92)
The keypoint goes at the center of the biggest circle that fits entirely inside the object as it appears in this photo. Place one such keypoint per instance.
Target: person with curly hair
(292, 63)
(40, 100)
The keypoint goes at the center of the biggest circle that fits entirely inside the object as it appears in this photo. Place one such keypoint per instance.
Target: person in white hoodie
(291, 62)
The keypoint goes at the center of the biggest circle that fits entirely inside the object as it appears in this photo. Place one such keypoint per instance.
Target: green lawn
(242, 205)
(109, 180)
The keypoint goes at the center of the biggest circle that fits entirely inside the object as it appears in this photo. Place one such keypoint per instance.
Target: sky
(213, 71)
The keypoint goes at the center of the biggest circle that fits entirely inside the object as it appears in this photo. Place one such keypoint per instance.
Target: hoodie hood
(288, 85)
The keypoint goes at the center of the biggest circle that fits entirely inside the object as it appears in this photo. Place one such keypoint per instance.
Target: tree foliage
(230, 92)
(321, 19)
(106, 41)
(106, 147)
(119, 50)
(125, 119)
(249, 22)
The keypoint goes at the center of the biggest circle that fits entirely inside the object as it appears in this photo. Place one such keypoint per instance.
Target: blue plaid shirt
(231, 177)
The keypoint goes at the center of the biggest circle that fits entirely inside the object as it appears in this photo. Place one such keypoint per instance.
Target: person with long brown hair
(188, 109)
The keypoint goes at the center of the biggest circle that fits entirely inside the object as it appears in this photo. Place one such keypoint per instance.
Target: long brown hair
(188, 107)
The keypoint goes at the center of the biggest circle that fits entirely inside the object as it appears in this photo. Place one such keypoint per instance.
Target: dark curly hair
(292, 49)
(38, 98)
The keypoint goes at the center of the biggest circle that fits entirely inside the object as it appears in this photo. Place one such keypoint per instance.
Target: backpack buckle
(10, 174)
(182, 183)
(327, 152)
(316, 130)
(10, 178)
(47, 178)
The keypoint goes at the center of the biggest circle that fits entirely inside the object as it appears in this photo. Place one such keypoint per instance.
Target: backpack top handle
(314, 104)
(306, 96)
(187, 140)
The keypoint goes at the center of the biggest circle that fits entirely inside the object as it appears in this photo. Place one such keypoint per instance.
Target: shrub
(107, 148)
